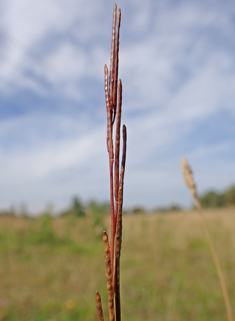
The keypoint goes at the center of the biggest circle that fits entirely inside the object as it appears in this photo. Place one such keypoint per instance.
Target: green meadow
(50, 267)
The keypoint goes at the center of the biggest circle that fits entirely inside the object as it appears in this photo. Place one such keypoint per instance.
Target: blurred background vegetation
(51, 266)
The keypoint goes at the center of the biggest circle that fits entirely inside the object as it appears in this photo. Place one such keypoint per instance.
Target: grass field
(51, 268)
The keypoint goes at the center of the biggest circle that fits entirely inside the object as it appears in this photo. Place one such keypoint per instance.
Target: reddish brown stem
(119, 230)
(111, 160)
(118, 249)
(113, 218)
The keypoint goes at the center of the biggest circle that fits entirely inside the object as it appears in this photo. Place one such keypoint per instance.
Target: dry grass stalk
(189, 180)
(188, 177)
(114, 110)
(99, 306)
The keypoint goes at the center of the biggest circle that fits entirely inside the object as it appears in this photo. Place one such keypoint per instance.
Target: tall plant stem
(119, 230)
(111, 84)
(113, 100)
(111, 160)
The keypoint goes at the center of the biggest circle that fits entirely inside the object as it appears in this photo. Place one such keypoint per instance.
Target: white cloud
(29, 28)
(32, 168)
(177, 67)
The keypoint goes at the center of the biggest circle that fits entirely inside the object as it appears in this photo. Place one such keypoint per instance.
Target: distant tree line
(77, 208)
(97, 210)
(92, 208)
(213, 199)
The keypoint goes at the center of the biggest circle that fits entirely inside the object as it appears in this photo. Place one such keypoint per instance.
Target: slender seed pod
(124, 135)
(112, 57)
(99, 306)
(117, 142)
(109, 278)
(109, 116)
(116, 59)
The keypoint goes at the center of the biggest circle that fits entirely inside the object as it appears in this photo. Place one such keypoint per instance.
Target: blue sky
(177, 65)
